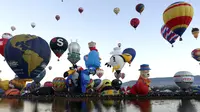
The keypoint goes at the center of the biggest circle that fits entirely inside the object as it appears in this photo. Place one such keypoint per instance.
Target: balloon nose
(118, 71)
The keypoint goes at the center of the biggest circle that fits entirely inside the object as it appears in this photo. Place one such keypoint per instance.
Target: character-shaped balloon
(92, 60)
(142, 87)
(118, 60)
(74, 52)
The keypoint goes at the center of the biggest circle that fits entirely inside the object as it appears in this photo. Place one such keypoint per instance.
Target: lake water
(63, 105)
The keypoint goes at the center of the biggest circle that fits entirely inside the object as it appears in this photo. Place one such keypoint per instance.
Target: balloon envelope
(58, 45)
(6, 35)
(135, 22)
(183, 79)
(130, 51)
(116, 10)
(178, 16)
(195, 32)
(139, 8)
(80, 9)
(33, 25)
(40, 76)
(3, 43)
(27, 55)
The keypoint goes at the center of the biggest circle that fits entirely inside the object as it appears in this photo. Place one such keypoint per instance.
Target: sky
(100, 24)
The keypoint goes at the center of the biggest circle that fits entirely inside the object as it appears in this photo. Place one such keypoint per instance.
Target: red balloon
(57, 17)
(80, 9)
(3, 42)
(135, 22)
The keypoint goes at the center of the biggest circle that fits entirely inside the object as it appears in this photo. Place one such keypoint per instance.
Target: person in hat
(142, 86)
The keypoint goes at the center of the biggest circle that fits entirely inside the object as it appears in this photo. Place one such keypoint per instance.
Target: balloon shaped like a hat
(130, 54)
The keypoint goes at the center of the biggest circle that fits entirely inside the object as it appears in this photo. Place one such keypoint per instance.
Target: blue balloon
(27, 55)
(130, 51)
(85, 80)
(92, 59)
(40, 76)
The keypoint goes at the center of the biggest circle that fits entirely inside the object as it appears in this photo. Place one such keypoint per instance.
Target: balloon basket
(180, 39)
(58, 60)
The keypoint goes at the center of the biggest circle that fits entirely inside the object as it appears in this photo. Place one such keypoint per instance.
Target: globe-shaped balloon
(27, 55)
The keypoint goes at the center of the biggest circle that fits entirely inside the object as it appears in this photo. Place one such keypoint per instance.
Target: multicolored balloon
(58, 45)
(139, 8)
(59, 84)
(196, 54)
(57, 17)
(116, 10)
(80, 9)
(195, 32)
(27, 55)
(135, 22)
(168, 35)
(13, 28)
(178, 16)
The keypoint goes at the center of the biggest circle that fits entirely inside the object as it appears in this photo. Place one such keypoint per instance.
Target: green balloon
(74, 57)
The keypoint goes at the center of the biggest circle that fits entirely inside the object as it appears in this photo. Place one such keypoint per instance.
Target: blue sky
(99, 23)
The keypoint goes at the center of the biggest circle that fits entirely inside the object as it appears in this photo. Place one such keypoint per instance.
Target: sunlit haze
(99, 23)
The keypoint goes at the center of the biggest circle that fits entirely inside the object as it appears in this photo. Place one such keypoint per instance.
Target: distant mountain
(162, 81)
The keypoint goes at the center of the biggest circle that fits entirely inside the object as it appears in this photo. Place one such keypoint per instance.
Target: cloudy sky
(99, 23)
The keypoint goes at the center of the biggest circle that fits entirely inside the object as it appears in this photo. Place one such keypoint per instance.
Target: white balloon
(183, 79)
(33, 25)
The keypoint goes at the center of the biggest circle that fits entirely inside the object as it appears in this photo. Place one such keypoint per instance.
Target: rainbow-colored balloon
(178, 16)
(59, 84)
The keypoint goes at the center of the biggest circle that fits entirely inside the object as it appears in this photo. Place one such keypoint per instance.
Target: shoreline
(97, 97)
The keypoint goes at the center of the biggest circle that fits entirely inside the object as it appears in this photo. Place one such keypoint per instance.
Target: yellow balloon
(4, 85)
(195, 34)
(116, 10)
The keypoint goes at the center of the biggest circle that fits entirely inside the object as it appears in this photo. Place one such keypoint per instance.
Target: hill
(164, 81)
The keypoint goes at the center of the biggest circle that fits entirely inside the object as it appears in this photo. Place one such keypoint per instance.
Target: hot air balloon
(116, 10)
(6, 35)
(80, 9)
(33, 25)
(27, 55)
(50, 67)
(57, 17)
(13, 28)
(183, 79)
(195, 32)
(139, 8)
(40, 77)
(74, 52)
(196, 54)
(135, 22)
(58, 45)
(168, 35)
(178, 16)
(3, 42)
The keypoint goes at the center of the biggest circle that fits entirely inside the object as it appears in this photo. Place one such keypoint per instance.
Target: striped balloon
(178, 16)
(139, 8)
(168, 35)
(196, 54)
